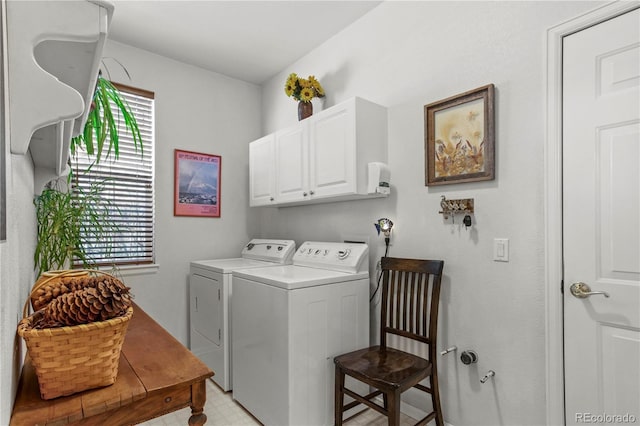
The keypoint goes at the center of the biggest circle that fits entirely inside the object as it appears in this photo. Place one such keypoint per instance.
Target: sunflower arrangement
(303, 89)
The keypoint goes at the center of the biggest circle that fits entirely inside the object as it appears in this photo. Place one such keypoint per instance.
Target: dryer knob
(343, 254)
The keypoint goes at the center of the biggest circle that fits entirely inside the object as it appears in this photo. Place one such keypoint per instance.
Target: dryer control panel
(345, 257)
(277, 251)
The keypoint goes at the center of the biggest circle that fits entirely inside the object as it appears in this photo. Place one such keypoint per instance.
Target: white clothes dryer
(211, 289)
(290, 322)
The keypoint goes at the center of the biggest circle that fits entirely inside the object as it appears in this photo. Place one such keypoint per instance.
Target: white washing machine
(210, 291)
(289, 322)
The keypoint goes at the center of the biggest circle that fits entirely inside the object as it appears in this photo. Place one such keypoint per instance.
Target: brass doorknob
(582, 291)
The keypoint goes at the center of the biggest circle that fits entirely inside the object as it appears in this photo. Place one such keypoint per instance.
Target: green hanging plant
(102, 125)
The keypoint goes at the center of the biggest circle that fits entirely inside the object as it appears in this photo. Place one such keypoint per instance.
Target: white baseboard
(411, 411)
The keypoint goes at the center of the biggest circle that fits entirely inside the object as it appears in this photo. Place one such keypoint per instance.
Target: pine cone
(62, 285)
(57, 286)
(105, 298)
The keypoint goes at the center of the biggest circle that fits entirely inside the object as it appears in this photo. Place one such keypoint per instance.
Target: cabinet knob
(311, 192)
(271, 199)
(304, 194)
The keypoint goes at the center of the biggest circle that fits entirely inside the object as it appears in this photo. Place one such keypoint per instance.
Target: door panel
(207, 307)
(601, 219)
(619, 177)
(621, 348)
(333, 145)
(261, 172)
(292, 159)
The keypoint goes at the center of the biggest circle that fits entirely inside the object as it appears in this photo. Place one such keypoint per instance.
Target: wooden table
(157, 375)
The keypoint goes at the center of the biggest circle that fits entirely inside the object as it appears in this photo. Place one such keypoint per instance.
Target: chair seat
(386, 368)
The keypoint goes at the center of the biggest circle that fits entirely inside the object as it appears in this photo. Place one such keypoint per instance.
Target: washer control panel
(279, 251)
(346, 257)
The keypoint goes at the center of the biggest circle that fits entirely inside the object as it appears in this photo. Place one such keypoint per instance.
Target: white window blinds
(127, 187)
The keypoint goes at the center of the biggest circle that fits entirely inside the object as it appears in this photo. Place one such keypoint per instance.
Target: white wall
(16, 252)
(201, 111)
(16, 273)
(405, 55)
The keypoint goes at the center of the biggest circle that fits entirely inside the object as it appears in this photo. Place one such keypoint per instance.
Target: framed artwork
(459, 138)
(196, 184)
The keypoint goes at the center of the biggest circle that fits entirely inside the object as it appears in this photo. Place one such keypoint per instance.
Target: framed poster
(196, 184)
(459, 138)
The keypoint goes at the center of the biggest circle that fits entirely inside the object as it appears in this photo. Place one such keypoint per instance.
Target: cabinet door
(332, 144)
(292, 164)
(262, 175)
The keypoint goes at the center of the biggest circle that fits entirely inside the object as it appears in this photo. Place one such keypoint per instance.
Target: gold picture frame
(459, 138)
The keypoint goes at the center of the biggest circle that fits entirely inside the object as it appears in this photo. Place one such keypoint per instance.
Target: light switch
(501, 249)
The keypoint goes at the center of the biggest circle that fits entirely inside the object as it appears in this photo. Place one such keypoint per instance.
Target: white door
(601, 221)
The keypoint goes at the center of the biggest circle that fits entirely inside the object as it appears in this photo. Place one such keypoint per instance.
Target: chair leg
(435, 399)
(338, 396)
(393, 411)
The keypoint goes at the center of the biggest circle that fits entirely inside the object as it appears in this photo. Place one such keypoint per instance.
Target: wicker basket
(73, 359)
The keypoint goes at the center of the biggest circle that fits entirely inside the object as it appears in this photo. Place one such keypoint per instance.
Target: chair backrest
(410, 297)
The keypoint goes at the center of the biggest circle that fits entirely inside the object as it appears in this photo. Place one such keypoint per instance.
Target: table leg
(198, 399)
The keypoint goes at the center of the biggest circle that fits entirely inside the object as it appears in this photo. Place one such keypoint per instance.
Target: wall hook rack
(453, 207)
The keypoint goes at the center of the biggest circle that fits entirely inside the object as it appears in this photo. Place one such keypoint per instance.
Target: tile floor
(222, 410)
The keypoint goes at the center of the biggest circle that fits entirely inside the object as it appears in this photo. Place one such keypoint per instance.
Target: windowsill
(130, 270)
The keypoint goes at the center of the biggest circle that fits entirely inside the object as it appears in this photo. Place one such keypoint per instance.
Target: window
(128, 189)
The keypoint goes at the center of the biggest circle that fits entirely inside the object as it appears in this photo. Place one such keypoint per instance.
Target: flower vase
(305, 110)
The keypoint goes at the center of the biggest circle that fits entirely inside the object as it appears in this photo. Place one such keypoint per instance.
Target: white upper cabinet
(54, 52)
(324, 158)
(262, 173)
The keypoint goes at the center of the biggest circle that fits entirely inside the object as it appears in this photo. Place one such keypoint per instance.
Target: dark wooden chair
(410, 296)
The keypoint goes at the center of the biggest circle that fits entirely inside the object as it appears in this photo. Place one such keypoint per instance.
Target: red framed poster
(196, 184)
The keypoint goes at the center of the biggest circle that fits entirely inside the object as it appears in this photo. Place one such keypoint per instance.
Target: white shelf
(54, 52)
